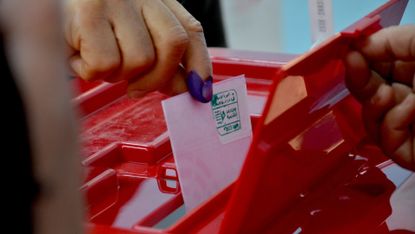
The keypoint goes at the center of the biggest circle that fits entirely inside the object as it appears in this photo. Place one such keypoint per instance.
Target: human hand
(153, 44)
(381, 75)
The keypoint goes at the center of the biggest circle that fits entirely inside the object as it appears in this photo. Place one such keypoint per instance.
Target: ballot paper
(209, 140)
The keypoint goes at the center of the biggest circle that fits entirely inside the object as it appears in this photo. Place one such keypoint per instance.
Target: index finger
(196, 56)
(390, 44)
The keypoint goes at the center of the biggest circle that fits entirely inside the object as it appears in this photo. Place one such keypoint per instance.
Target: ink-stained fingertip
(199, 89)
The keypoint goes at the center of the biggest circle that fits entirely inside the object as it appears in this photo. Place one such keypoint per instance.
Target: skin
(151, 43)
(153, 48)
(36, 56)
(381, 75)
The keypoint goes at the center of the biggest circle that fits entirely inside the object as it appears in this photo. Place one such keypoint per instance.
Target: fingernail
(199, 89)
(136, 93)
(207, 89)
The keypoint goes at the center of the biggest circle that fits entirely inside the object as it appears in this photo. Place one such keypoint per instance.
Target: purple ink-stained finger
(199, 89)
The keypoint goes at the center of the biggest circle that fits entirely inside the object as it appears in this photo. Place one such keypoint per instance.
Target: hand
(381, 76)
(151, 43)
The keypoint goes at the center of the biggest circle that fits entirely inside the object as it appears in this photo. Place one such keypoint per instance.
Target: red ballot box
(310, 167)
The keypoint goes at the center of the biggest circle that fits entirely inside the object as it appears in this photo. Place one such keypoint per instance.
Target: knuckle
(193, 25)
(143, 61)
(178, 38)
(101, 66)
(107, 64)
(138, 64)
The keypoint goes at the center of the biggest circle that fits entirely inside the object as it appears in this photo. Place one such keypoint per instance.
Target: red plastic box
(310, 167)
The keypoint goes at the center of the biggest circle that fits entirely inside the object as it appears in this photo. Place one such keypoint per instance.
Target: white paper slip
(209, 141)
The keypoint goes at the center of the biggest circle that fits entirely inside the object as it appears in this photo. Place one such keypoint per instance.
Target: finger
(404, 155)
(196, 56)
(134, 41)
(400, 91)
(404, 72)
(395, 129)
(170, 41)
(98, 54)
(373, 111)
(398, 71)
(384, 69)
(360, 80)
(175, 85)
(70, 52)
(390, 44)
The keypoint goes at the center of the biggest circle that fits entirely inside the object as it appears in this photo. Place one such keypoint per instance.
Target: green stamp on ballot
(226, 112)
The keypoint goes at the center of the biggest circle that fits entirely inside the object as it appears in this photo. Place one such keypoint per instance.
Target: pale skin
(35, 51)
(152, 44)
(388, 107)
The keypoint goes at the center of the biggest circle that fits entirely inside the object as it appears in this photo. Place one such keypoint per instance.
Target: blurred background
(285, 26)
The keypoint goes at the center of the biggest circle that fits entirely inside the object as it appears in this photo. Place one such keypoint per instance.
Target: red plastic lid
(309, 127)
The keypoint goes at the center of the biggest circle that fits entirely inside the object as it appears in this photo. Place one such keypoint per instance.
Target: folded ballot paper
(209, 141)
